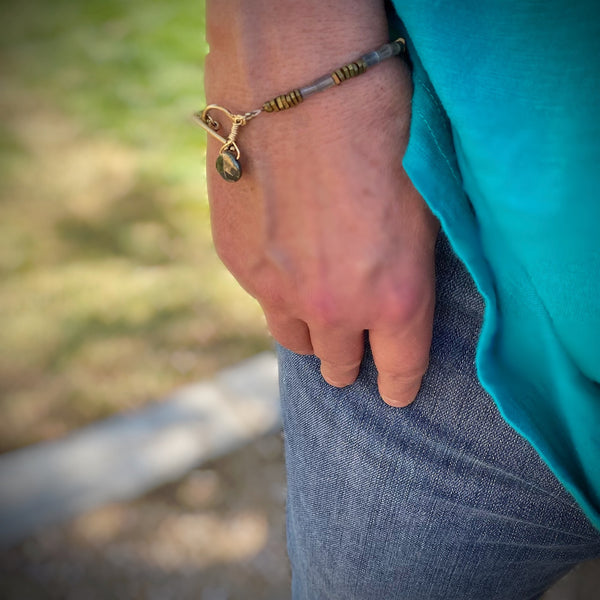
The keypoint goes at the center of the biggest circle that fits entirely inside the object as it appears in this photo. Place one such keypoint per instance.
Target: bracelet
(228, 164)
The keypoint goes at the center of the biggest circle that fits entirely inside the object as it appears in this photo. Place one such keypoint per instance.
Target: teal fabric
(505, 148)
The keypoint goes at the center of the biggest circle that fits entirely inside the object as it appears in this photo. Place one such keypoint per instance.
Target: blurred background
(111, 296)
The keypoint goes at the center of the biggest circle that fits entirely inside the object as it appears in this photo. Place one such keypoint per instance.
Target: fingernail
(340, 380)
(339, 383)
(397, 403)
(399, 394)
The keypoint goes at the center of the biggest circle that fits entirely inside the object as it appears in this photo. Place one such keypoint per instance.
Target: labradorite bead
(228, 166)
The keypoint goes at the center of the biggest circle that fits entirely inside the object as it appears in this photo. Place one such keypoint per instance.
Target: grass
(110, 291)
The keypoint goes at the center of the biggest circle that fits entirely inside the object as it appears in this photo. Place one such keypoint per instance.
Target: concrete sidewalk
(125, 456)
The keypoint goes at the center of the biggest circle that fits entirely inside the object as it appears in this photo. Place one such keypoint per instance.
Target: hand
(326, 230)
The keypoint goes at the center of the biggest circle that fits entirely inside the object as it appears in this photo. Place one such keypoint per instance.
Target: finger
(341, 352)
(290, 332)
(401, 355)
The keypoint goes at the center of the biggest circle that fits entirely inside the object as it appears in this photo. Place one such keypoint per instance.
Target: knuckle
(324, 309)
(401, 305)
(270, 298)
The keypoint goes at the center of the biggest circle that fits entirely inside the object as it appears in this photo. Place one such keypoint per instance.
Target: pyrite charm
(228, 166)
(228, 161)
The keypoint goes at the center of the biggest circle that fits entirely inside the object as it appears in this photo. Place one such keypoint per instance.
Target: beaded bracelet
(228, 164)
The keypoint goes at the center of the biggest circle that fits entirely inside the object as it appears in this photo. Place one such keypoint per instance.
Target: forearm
(259, 48)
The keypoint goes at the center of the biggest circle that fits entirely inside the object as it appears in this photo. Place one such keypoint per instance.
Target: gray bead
(228, 166)
(317, 86)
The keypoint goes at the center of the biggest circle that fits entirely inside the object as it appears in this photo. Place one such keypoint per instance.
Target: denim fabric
(441, 499)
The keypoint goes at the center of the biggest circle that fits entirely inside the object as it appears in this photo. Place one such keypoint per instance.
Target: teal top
(505, 148)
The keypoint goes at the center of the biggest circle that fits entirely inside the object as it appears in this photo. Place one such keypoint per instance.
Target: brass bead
(295, 97)
(362, 66)
(348, 71)
(283, 101)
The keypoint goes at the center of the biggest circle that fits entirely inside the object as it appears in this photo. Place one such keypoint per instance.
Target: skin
(325, 228)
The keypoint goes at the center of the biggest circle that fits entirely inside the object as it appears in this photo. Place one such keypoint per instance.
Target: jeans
(441, 499)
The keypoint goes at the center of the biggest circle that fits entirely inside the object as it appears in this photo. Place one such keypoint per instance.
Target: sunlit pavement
(127, 455)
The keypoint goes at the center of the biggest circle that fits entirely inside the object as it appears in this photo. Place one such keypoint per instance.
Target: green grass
(110, 291)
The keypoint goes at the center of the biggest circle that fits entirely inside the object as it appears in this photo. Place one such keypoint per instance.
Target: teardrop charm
(228, 166)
